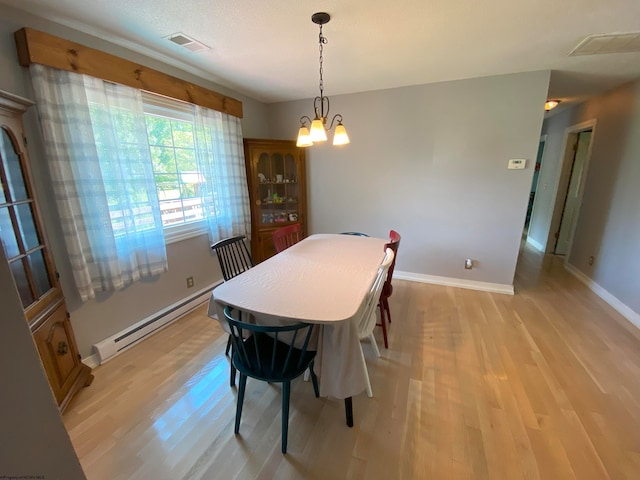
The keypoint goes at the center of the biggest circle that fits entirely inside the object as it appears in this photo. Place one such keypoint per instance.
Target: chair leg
(374, 344)
(241, 387)
(314, 380)
(366, 373)
(286, 390)
(348, 410)
(232, 373)
(386, 307)
(383, 324)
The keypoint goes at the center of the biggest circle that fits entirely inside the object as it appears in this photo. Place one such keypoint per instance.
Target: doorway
(578, 141)
(534, 183)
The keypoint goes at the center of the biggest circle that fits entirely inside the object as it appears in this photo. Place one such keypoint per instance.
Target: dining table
(324, 279)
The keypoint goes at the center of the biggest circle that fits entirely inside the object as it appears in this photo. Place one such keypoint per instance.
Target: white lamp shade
(340, 136)
(304, 139)
(318, 133)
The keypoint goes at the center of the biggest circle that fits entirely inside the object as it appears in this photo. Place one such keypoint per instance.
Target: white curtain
(99, 160)
(220, 157)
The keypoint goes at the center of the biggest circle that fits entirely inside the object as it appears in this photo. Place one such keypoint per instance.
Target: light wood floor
(544, 384)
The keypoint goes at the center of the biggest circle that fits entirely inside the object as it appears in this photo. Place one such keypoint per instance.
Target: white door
(574, 197)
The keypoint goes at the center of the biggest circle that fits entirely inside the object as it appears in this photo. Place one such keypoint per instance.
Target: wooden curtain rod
(44, 49)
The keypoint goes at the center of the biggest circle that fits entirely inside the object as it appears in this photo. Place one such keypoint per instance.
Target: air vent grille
(608, 43)
(187, 42)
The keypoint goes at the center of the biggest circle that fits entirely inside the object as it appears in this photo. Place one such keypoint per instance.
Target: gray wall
(430, 161)
(608, 226)
(110, 313)
(33, 439)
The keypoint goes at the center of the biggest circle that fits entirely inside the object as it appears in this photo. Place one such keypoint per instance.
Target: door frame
(570, 138)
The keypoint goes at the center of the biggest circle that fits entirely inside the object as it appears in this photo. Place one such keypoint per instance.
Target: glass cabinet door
(19, 233)
(277, 181)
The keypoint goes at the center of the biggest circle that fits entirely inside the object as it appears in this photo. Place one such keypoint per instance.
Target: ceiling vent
(187, 42)
(608, 43)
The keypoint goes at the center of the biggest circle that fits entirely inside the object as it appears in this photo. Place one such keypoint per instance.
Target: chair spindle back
(233, 255)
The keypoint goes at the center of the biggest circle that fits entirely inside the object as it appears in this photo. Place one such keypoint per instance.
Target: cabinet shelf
(278, 183)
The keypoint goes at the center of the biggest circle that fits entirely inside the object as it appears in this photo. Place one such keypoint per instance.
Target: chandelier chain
(321, 40)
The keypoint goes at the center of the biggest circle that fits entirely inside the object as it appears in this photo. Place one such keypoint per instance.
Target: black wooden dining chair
(233, 255)
(274, 354)
(235, 258)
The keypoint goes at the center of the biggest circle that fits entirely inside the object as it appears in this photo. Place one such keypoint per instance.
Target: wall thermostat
(517, 163)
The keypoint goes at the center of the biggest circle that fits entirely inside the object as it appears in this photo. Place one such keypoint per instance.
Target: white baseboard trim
(454, 282)
(538, 246)
(92, 361)
(115, 344)
(616, 304)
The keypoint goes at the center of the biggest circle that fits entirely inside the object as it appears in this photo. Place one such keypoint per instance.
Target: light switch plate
(517, 163)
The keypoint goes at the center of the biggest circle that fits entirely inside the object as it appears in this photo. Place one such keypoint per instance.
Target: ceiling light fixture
(550, 105)
(317, 132)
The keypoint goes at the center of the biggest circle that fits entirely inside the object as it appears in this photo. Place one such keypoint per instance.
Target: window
(170, 128)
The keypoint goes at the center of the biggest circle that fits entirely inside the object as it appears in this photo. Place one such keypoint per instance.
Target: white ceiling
(268, 50)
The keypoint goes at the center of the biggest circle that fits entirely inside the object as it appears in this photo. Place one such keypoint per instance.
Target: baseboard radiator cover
(121, 341)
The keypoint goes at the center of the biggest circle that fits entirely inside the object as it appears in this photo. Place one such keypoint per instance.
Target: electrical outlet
(468, 264)
(591, 260)
(189, 282)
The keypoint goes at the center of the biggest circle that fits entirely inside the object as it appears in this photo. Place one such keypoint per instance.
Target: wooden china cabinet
(277, 190)
(34, 273)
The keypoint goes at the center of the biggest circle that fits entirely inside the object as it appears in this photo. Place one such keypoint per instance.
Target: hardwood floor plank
(544, 384)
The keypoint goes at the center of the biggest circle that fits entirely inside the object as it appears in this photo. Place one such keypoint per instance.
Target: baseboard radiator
(116, 344)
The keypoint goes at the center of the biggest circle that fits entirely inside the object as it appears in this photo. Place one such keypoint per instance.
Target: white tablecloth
(323, 279)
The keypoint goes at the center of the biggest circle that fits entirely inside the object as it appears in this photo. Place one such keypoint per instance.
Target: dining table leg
(348, 408)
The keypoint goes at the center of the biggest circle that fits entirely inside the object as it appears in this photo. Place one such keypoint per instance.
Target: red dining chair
(387, 289)
(284, 237)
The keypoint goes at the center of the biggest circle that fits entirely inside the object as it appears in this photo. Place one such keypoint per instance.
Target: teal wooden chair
(274, 354)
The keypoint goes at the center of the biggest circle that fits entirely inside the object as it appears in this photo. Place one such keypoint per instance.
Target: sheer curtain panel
(220, 157)
(98, 155)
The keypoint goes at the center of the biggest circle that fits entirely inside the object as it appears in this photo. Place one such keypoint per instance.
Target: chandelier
(317, 132)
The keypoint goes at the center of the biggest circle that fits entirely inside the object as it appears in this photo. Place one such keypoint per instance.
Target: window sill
(179, 233)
